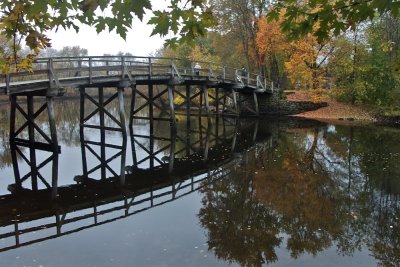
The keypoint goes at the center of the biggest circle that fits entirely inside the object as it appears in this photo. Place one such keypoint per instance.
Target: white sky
(138, 41)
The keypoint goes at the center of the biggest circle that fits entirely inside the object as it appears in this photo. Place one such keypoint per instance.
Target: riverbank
(334, 111)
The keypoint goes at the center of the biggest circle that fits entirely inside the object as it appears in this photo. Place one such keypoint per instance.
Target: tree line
(352, 50)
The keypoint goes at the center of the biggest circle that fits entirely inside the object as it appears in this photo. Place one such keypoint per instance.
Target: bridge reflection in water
(165, 167)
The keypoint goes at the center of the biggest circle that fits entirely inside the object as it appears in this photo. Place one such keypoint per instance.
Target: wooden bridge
(154, 84)
(209, 83)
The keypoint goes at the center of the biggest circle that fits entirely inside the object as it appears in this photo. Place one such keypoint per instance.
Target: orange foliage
(270, 38)
(302, 57)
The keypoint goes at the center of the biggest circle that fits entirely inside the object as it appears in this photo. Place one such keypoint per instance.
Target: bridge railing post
(51, 74)
(224, 73)
(107, 64)
(90, 70)
(7, 83)
(49, 68)
(174, 69)
(238, 78)
(211, 72)
(78, 73)
(150, 67)
(123, 66)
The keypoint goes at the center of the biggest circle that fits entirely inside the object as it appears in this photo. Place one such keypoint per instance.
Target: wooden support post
(235, 103)
(172, 151)
(133, 147)
(255, 131)
(201, 101)
(207, 143)
(58, 222)
(200, 131)
(188, 106)
(53, 135)
(188, 101)
(233, 145)
(121, 111)
(81, 130)
(17, 177)
(216, 130)
(122, 118)
(151, 150)
(13, 107)
(256, 104)
(205, 92)
(188, 143)
(16, 231)
(151, 108)
(224, 102)
(216, 101)
(171, 104)
(102, 133)
(31, 136)
(132, 108)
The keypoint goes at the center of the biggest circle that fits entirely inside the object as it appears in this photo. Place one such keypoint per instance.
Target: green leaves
(324, 18)
(139, 6)
(161, 22)
(188, 23)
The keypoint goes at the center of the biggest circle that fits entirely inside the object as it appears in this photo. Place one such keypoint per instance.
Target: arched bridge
(159, 86)
(53, 74)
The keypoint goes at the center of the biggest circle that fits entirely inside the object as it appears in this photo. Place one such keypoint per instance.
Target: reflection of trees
(318, 188)
(239, 228)
(298, 188)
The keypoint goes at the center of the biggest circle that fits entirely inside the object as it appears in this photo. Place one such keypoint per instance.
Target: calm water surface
(240, 193)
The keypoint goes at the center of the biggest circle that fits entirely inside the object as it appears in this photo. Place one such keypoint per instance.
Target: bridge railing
(57, 69)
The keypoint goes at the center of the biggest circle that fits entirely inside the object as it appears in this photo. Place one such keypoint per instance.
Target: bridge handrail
(57, 68)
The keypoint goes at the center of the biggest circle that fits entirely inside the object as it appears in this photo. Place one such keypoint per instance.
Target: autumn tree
(307, 62)
(271, 46)
(237, 24)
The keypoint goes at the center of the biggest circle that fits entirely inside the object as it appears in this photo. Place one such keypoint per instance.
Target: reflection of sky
(327, 258)
(326, 157)
(164, 236)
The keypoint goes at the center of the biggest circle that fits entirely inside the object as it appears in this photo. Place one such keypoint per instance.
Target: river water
(217, 192)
